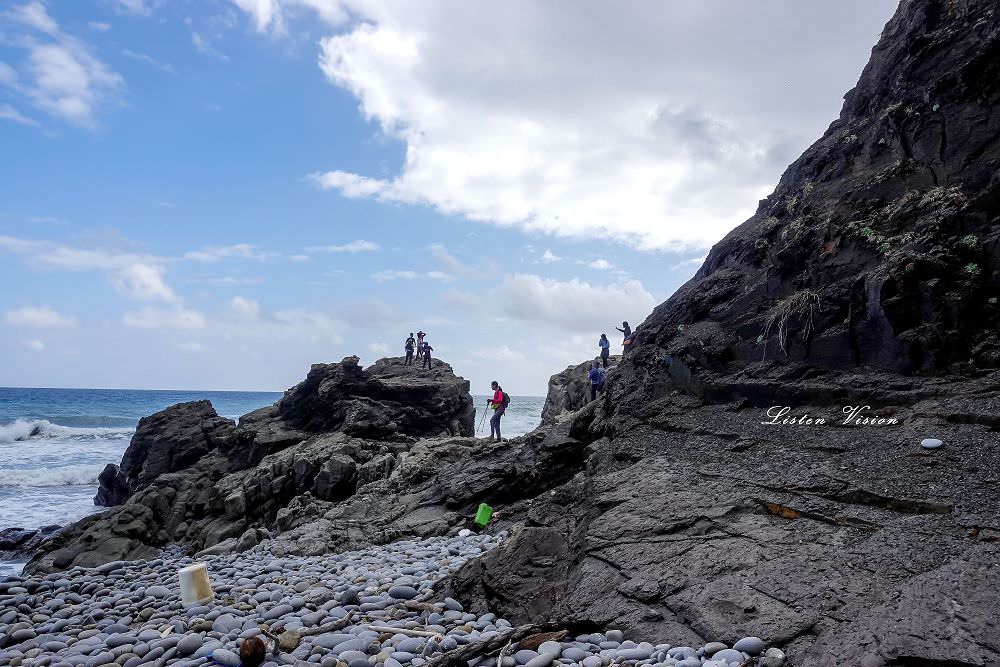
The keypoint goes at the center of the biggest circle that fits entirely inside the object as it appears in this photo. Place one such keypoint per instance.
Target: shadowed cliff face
(880, 247)
(869, 277)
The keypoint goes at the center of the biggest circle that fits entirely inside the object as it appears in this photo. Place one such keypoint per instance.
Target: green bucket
(483, 515)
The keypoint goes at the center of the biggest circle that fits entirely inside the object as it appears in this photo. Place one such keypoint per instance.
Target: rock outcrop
(570, 390)
(869, 278)
(194, 478)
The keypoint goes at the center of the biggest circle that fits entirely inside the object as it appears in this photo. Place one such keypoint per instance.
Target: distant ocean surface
(55, 442)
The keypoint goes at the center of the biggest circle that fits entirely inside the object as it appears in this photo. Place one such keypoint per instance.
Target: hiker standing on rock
(605, 345)
(420, 341)
(499, 403)
(596, 376)
(427, 349)
(409, 345)
(626, 331)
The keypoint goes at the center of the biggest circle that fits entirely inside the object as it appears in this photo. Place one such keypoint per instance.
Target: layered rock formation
(570, 390)
(194, 478)
(869, 278)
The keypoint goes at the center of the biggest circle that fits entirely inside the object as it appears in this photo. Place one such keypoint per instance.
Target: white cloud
(34, 345)
(99, 26)
(243, 308)
(139, 7)
(548, 256)
(501, 353)
(393, 274)
(144, 282)
(34, 15)
(7, 112)
(40, 317)
(662, 133)
(601, 264)
(269, 15)
(574, 305)
(379, 348)
(299, 258)
(692, 261)
(191, 346)
(203, 45)
(149, 60)
(61, 75)
(210, 254)
(164, 318)
(360, 245)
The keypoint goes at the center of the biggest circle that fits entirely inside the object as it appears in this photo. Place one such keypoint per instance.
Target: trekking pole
(482, 422)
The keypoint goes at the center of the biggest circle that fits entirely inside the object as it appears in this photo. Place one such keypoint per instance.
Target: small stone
(711, 648)
(731, 656)
(931, 443)
(751, 645)
(773, 657)
(543, 660)
(225, 657)
(189, 644)
(403, 592)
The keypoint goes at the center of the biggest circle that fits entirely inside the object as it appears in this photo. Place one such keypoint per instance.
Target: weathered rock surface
(194, 478)
(870, 277)
(570, 390)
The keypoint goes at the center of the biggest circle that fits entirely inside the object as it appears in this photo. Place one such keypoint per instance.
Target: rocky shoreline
(356, 609)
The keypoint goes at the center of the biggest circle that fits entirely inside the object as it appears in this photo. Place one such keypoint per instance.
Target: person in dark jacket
(596, 377)
(427, 355)
(626, 330)
(605, 346)
(409, 346)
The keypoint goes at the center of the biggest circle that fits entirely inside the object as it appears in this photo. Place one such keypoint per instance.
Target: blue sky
(213, 195)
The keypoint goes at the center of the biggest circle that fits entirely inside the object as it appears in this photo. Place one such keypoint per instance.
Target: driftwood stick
(404, 631)
(461, 656)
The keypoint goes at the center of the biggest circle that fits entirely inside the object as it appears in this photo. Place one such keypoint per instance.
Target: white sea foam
(25, 429)
(62, 476)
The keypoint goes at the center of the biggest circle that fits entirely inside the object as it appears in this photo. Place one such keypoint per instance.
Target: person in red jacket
(499, 404)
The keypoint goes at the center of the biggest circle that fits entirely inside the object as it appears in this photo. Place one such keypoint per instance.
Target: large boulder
(167, 441)
(569, 390)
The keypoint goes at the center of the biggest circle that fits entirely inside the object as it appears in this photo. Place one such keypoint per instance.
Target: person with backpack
(626, 330)
(596, 376)
(420, 342)
(605, 346)
(427, 355)
(499, 403)
(409, 346)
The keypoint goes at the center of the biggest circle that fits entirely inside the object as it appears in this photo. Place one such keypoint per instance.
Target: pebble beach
(126, 614)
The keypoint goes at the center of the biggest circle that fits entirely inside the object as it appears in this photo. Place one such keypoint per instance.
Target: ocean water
(55, 442)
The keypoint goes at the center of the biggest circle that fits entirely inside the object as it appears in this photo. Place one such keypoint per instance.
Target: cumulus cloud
(191, 346)
(661, 133)
(210, 254)
(573, 305)
(379, 348)
(61, 75)
(144, 282)
(34, 345)
(164, 318)
(42, 317)
(360, 245)
(137, 276)
(548, 256)
(7, 112)
(307, 324)
(601, 264)
(406, 274)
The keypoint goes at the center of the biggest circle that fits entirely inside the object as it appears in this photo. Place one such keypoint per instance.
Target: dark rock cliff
(870, 277)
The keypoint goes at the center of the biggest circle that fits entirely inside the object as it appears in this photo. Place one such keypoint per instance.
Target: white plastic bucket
(195, 586)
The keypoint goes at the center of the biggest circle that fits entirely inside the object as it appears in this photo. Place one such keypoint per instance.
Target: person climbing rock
(626, 330)
(499, 403)
(409, 346)
(426, 350)
(596, 376)
(605, 346)
(627, 343)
